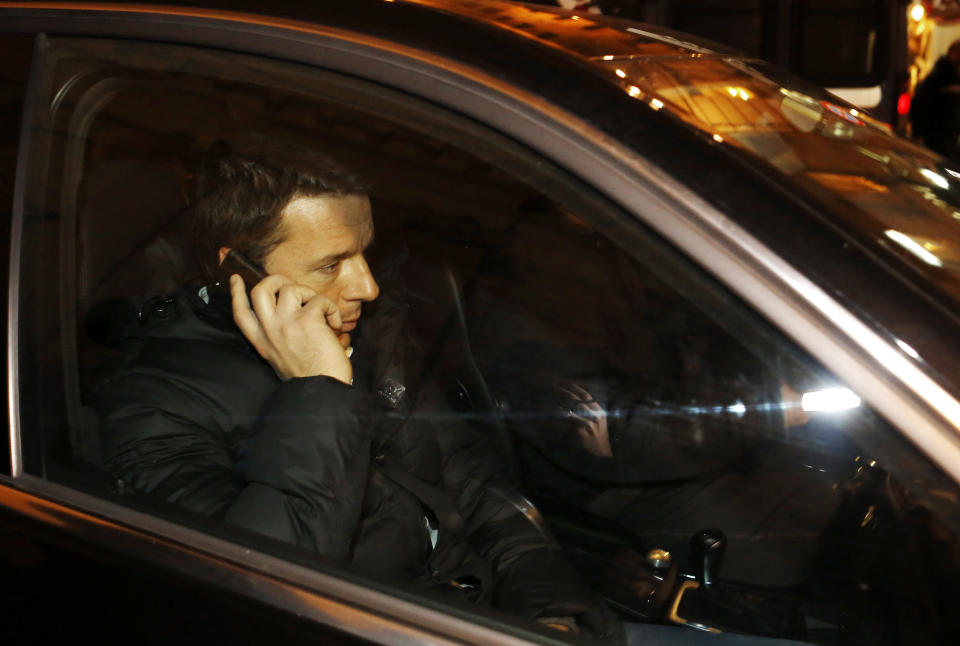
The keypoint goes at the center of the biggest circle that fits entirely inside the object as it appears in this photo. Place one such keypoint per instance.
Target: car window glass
(752, 27)
(530, 338)
(892, 191)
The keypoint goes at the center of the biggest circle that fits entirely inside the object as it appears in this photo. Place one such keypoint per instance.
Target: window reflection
(888, 183)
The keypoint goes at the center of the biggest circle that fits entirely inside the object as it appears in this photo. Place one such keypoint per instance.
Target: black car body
(727, 221)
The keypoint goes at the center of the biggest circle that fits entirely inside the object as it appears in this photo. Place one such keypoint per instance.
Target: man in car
(258, 410)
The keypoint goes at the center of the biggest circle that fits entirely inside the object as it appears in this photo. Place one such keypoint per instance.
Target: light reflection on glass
(829, 400)
(739, 92)
(917, 12)
(936, 178)
(883, 159)
(913, 247)
(808, 136)
(906, 348)
(739, 409)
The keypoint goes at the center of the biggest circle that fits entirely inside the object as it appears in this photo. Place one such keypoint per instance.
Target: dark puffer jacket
(198, 419)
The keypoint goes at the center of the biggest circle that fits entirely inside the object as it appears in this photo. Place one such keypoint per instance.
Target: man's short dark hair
(242, 193)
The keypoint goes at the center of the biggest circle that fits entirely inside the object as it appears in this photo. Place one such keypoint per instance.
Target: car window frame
(877, 370)
(11, 452)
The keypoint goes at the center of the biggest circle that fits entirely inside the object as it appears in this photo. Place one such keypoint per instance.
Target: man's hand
(292, 327)
(593, 433)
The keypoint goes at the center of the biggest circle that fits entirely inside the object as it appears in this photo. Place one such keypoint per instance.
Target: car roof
(585, 34)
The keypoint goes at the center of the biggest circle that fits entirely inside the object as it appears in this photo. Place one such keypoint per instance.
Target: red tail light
(903, 104)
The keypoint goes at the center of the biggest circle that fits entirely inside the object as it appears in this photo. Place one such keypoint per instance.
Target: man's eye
(329, 269)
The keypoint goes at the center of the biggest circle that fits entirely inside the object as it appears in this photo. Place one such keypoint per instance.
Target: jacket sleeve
(305, 466)
(160, 438)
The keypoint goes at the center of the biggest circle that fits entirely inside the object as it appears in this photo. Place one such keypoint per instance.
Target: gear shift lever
(707, 548)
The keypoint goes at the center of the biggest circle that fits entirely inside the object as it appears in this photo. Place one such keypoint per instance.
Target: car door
(627, 351)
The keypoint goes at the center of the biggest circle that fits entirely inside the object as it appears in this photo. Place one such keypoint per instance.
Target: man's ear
(223, 254)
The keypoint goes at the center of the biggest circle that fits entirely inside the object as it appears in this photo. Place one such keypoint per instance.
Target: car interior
(488, 245)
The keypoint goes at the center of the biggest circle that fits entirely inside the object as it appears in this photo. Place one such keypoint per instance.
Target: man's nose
(363, 286)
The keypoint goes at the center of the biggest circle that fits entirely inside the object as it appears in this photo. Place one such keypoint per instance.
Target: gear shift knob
(707, 548)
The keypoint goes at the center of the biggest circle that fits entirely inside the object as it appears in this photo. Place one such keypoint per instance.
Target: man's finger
(292, 297)
(243, 315)
(587, 432)
(238, 295)
(581, 418)
(576, 392)
(263, 296)
(320, 305)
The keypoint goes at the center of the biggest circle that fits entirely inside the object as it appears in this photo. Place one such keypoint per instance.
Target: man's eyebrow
(343, 255)
(332, 258)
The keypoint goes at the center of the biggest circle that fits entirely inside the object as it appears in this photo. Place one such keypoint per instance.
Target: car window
(752, 28)
(892, 192)
(531, 342)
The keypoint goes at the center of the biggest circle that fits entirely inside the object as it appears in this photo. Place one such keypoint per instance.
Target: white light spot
(738, 409)
(906, 348)
(917, 12)
(656, 104)
(718, 139)
(608, 57)
(829, 400)
(936, 178)
(621, 73)
(634, 91)
(913, 247)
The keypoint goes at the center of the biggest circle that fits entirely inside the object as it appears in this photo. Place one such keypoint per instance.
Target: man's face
(323, 243)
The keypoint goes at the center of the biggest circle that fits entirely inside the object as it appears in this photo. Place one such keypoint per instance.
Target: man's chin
(344, 339)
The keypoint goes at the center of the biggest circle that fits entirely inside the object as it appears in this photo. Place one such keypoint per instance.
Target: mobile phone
(237, 263)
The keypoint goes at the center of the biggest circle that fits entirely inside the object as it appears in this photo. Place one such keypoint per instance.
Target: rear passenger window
(531, 342)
